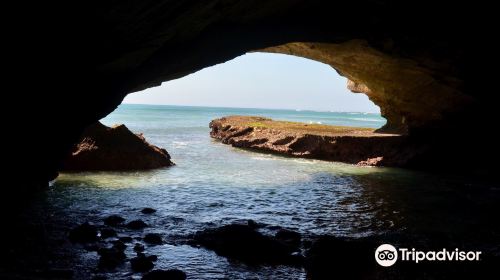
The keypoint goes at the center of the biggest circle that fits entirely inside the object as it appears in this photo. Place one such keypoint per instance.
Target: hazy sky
(260, 80)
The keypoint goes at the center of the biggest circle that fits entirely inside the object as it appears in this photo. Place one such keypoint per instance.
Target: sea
(214, 184)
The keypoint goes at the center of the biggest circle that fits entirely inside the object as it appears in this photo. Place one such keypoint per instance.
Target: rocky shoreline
(361, 146)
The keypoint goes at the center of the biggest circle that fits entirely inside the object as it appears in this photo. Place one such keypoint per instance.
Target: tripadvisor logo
(387, 255)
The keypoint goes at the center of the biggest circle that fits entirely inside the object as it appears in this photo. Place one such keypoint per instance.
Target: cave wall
(73, 63)
(401, 87)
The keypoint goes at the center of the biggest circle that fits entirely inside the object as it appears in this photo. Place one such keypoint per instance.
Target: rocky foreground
(361, 146)
(114, 148)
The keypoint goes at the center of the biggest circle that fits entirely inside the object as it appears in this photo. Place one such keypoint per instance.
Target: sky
(260, 80)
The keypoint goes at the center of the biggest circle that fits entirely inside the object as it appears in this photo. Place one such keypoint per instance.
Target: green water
(214, 184)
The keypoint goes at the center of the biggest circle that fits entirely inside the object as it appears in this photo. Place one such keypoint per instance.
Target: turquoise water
(214, 184)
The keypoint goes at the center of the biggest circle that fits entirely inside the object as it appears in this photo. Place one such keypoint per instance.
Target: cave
(414, 60)
(414, 70)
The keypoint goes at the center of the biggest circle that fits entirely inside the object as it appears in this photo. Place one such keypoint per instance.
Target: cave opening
(263, 81)
(295, 95)
(417, 78)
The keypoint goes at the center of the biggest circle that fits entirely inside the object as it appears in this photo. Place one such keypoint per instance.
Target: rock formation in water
(360, 146)
(114, 148)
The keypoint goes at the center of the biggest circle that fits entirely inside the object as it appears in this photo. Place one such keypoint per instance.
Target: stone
(136, 224)
(254, 224)
(107, 233)
(114, 148)
(84, 233)
(141, 263)
(119, 245)
(289, 237)
(110, 257)
(114, 220)
(171, 274)
(148, 210)
(244, 243)
(138, 247)
(153, 239)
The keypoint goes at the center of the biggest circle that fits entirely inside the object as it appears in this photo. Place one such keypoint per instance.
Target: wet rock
(321, 142)
(171, 274)
(119, 245)
(153, 239)
(113, 220)
(110, 257)
(141, 263)
(137, 224)
(107, 233)
(126, 239)
(152, 258)
(289, 237)
(244, 243)
(114, 148)
(254, 224)
(84, 233)
(138, 247)
(148, 210)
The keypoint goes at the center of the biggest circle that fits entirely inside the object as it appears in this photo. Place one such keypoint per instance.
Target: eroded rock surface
(115, 148)
(360, 146)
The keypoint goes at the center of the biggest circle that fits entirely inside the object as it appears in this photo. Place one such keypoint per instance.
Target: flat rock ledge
(361, 146)
(116, 148)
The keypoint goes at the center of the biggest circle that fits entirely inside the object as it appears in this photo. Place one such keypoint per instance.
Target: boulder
(114, 148)
(153, 239)
(114, 220)
(141, 263)
(110, 257)
(289, 237)
(136, 224)
(107, 232)
(148, 210)
(244, 243)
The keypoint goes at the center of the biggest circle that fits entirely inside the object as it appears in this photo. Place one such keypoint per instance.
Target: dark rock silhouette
(111, 257)
(114, 220)
(136, 224)
(107, 232)
(148, 210)
(244, 243)
(153, 238)
(142, 263)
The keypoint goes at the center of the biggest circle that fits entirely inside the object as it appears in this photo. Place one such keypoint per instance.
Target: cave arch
(117, 48)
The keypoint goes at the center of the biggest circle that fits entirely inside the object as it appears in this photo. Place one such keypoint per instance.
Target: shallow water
(213, 184)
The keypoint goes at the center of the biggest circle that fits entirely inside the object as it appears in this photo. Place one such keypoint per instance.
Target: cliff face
(83, 61)
(361, 146)
(398, 86)
(114, 148)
